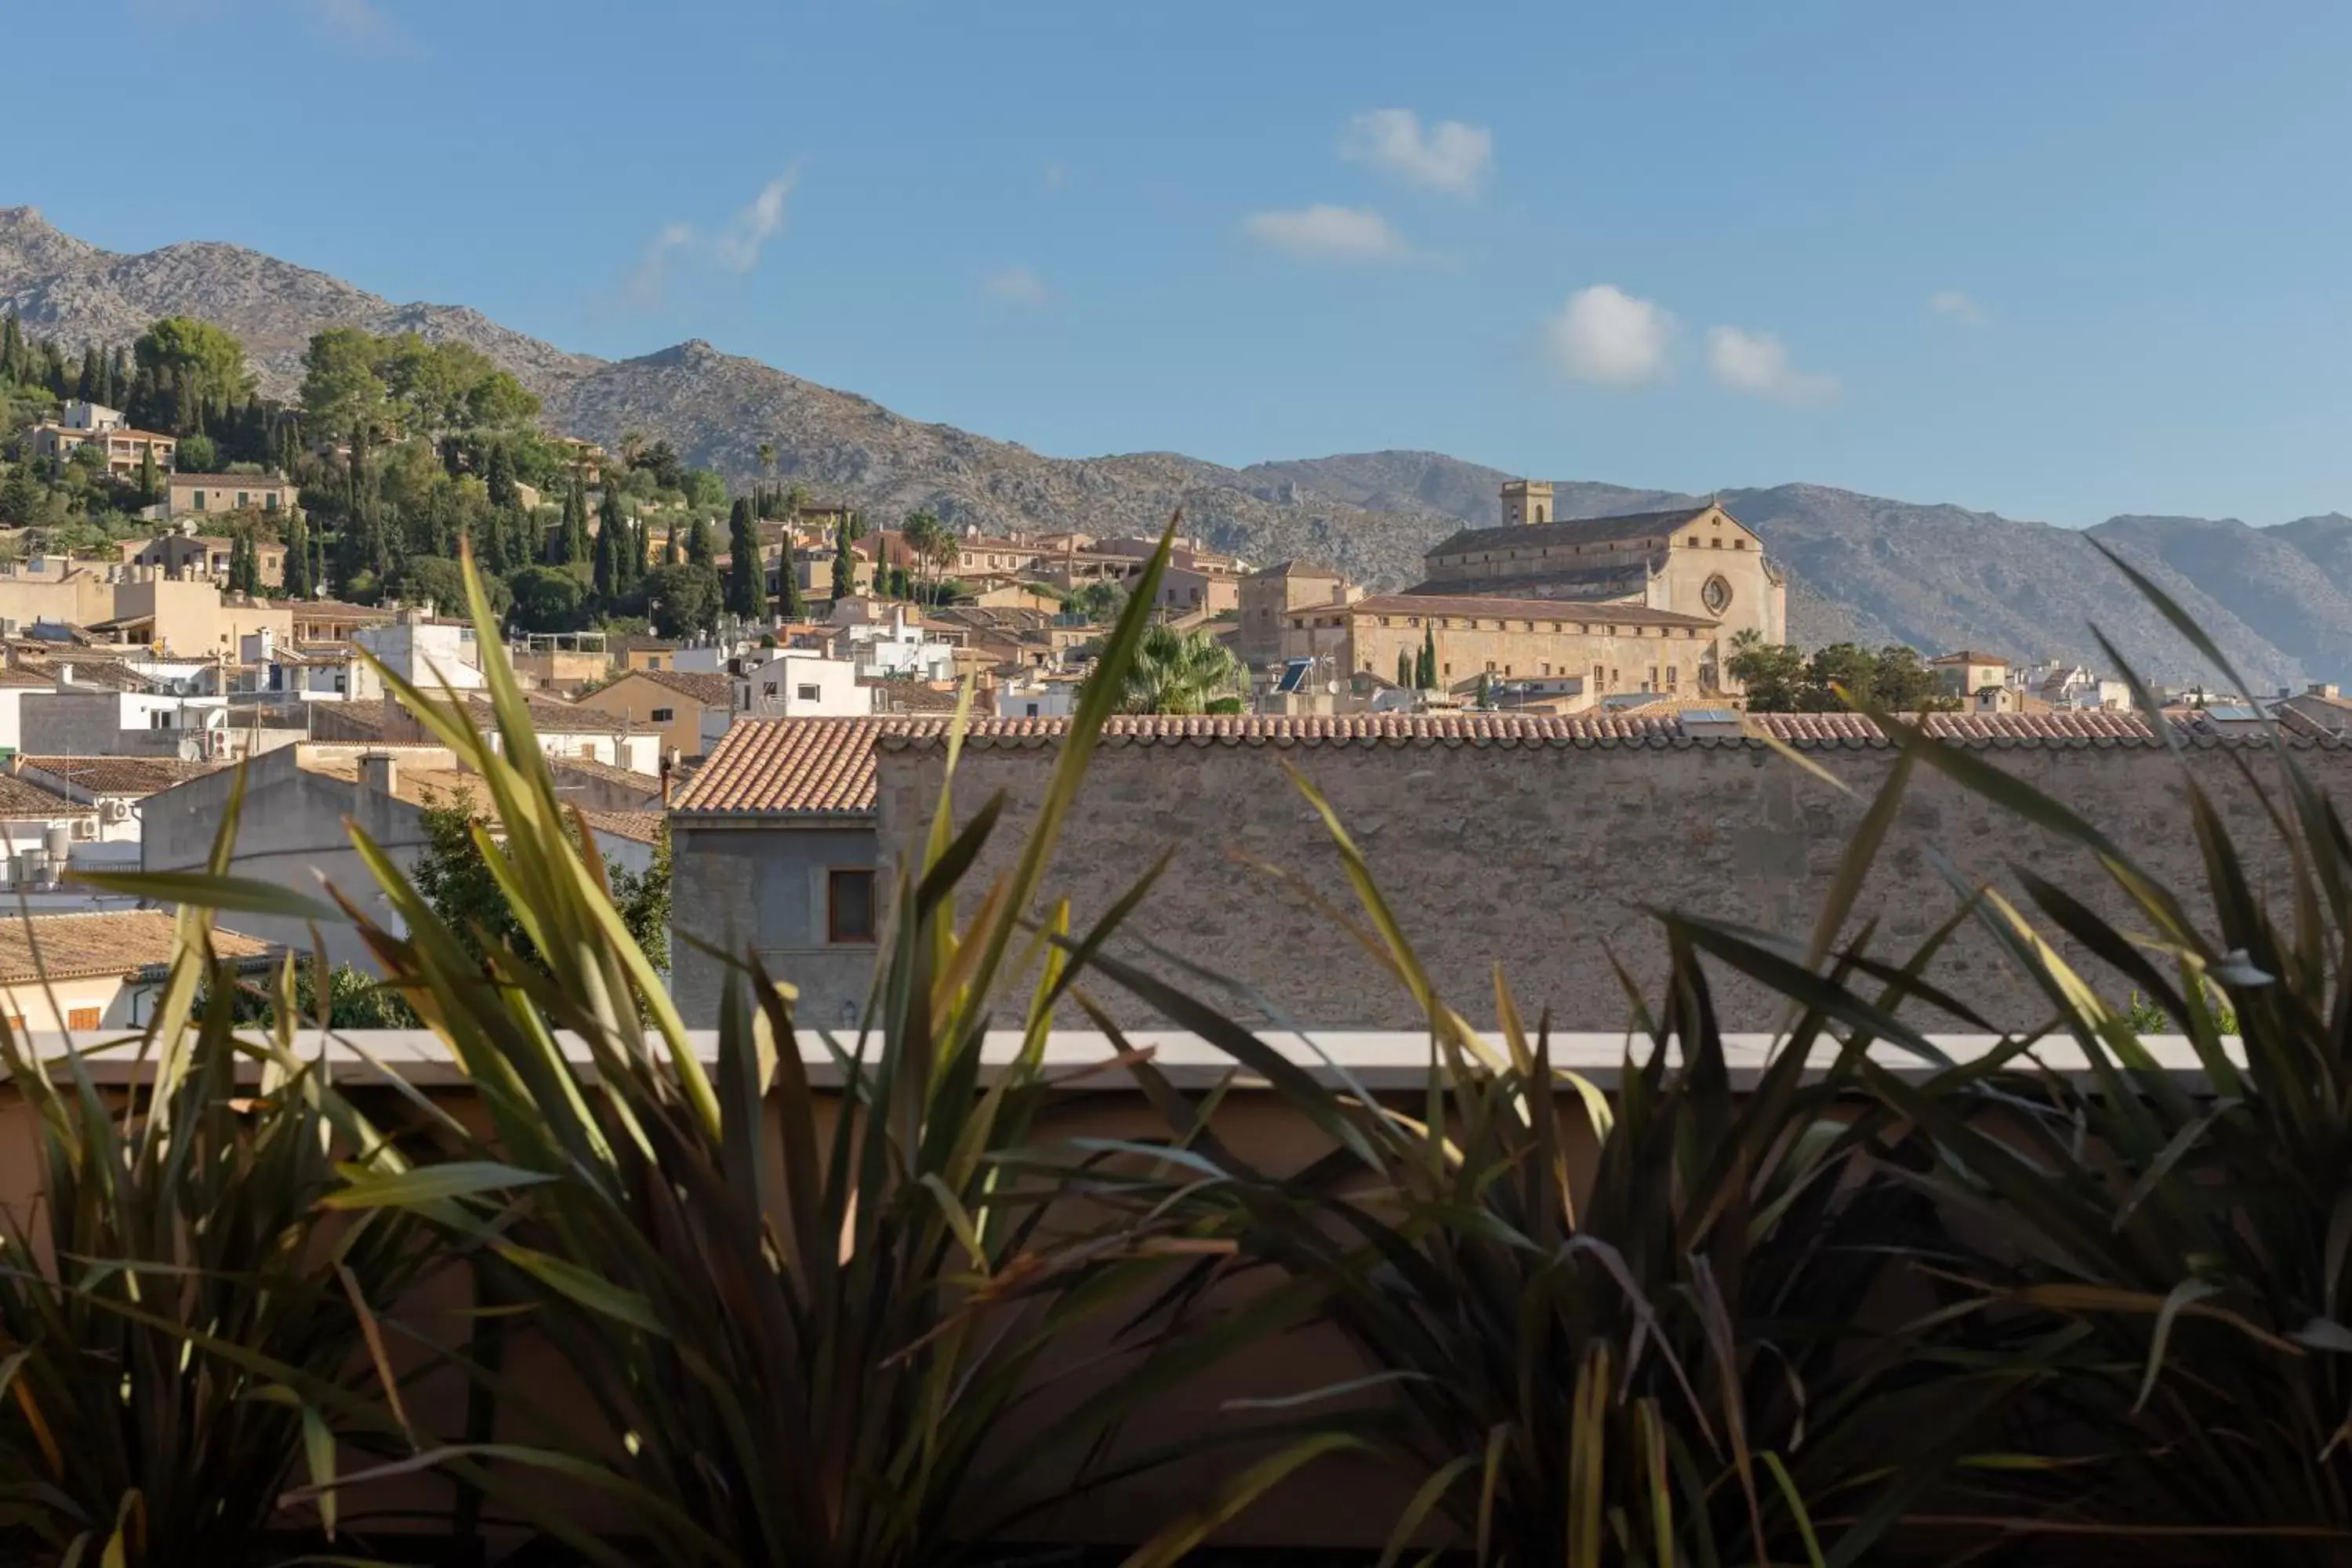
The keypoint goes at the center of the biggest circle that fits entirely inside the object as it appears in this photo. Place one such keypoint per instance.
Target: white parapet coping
(1084, 1060)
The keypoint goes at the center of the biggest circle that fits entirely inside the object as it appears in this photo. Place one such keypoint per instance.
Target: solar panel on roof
(2232, 714)
(1709, 716)
(1294, 674)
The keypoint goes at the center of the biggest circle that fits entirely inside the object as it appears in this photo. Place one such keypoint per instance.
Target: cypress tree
(499, 473)
(298, 585)
(573, 547)
(118, 379)
(845, 562)
(1428, 670)
(790, 604)
(87, 384)
(746, 593)
(1486, 690)
(1405, 669)
(12, 348)
(606, 557)
(151, 483)
(697, 542)
(639, 556)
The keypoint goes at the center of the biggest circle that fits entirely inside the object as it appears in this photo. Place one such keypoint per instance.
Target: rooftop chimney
(379, 775)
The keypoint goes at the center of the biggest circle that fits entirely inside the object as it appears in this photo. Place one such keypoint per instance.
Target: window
(1032, 707)
(1673, 677)
(81, 1018)
(199, 501)
(849, 904)
(243, 500)
(270, 502)
(807, 693)
(663, 715)
(1714, 544)
(1739, 544)
(767, 688)
(159, 720)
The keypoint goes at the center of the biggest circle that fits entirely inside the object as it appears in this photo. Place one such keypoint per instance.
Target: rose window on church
(1715, 595)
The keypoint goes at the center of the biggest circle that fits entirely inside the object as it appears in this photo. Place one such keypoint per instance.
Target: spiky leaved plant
(807, 1321)
(183, 1328)
(2164, 1267)
(1666, 1365)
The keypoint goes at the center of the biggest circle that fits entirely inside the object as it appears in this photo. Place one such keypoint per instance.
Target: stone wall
(735, 885)
(1542, 857)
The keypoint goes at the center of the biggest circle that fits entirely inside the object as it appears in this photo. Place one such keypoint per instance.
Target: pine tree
(745, 592)
(298, 584)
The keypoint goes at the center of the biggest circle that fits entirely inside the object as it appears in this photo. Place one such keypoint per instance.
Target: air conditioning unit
(114, 810)
(84, 828)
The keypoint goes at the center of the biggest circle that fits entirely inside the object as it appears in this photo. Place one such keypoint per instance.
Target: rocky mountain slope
(1863, 567)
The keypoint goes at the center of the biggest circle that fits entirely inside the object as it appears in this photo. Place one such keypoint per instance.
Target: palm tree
(1180, 672)
(768, 459)
(922, 531)
(946, 551)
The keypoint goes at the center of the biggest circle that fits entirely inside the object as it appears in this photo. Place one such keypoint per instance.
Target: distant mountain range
(2277, 599)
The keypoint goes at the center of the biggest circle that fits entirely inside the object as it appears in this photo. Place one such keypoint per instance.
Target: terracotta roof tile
(643, 826)
(1584, 611)
(605, 773)
(1570, 530)
(21, 800)
(121, 942)
(791, 767)
(710, 690)
(120, 775)
(784, 767)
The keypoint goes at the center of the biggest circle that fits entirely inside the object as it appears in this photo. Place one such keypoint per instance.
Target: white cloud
(362, 25)
(641, 289)
(763, 220)
(1323, 233)
(1951, 302)
(1757, 363)
(1450, 156)
(1604, 334)
(736, 248)
(1020, 286)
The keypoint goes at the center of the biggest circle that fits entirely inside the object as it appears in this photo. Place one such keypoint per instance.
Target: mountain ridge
(1866, 568)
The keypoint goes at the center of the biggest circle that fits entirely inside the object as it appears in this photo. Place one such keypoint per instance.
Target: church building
(1593, 606)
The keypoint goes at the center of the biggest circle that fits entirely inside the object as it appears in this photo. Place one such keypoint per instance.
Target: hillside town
(163, 625)
(1024, 786)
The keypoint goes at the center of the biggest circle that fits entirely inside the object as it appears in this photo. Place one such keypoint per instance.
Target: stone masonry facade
(1546, 857)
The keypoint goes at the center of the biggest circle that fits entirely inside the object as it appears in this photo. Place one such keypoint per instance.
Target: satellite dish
(1331, 688)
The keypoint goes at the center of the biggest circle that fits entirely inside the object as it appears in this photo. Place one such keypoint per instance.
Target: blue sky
(2056, 260)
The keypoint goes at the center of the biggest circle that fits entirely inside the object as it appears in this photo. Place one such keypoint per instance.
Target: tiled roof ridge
(703, 685)
(825, 767)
